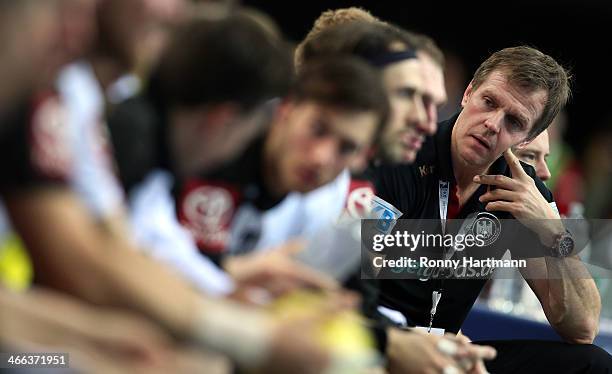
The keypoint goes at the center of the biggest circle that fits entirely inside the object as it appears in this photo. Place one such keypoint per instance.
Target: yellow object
(345, 333)
(15, 265)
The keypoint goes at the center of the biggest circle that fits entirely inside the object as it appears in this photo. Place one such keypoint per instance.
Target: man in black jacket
(513, 96)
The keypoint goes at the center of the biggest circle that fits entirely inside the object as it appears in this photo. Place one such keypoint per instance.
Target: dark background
(576, 33)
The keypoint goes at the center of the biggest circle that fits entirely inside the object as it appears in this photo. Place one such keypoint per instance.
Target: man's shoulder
(36, 143)
(404, 172)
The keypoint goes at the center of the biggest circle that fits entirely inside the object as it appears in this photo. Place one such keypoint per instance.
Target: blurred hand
(295, 349)
(298, 345)
(276, 272)
(42, 318)
(418, 352)
(99, 340)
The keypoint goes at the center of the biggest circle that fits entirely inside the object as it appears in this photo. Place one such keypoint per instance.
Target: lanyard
(443, 191)
(443, 195)
(436, 295)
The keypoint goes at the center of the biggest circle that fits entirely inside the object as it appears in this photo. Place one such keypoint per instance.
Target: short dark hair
(233, 59)
(530, 69)
(366, 40)
(343, 82)
(427, 45)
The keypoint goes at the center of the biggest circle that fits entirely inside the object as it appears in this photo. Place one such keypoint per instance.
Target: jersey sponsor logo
(359, 199)
(207, 211)
(50, 149)
(426, 170)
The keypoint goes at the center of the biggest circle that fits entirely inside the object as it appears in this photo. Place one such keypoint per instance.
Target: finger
(462, 338)
(290, 248)
(499, 194)
(440, 362)
(501, 206)
(479, 368)
(281, 286)
(497, 180)
(286, 268)
(486, 352)
(481, 352)
(450, 369)
(447, 346)
(514, 164)
(309, 277)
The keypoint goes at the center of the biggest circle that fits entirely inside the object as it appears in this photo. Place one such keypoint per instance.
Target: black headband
(391, 57)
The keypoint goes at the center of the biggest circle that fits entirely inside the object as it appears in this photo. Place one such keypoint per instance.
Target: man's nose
(418, 117)
(324, 152)
(493, 123)
(542, 170)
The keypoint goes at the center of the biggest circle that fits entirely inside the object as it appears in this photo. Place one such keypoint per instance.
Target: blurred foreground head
(212, 86)
(29, 30)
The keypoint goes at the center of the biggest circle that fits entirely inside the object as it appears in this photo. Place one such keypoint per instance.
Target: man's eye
(528, 157)
(488, 102)
(406, 92)
(515, 124)
(347, 148)
(318, 129)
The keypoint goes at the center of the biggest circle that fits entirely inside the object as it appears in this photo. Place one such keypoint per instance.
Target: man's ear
(466, 95)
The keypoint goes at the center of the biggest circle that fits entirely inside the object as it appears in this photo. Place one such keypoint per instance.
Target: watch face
(566, 245)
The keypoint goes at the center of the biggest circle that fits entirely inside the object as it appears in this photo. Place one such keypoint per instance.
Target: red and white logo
(359, 199)
(207, 211)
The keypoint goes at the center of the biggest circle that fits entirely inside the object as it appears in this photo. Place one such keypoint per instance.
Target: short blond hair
(332, 18)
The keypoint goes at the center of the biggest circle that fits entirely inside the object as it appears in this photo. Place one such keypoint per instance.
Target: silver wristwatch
(563, 245)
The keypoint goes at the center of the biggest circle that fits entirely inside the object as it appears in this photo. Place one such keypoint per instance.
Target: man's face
(535, 153)
(407, 125)
(434, 91)
(416, 90)
(318, 142)
(496, 116)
